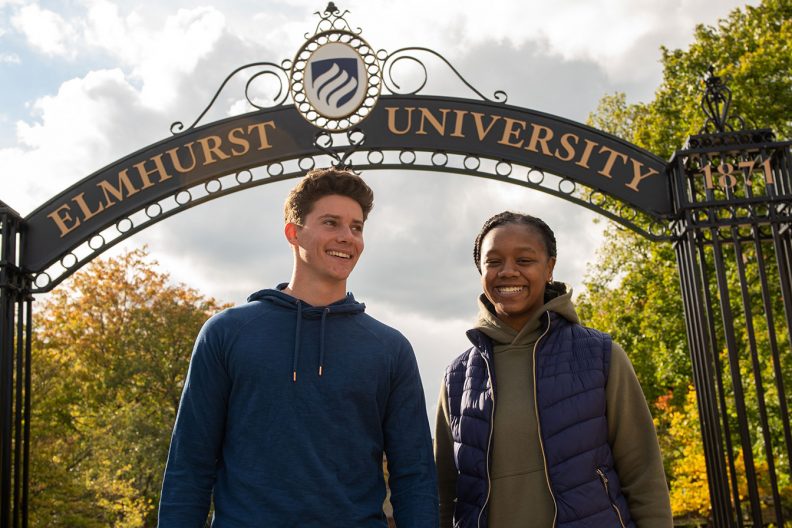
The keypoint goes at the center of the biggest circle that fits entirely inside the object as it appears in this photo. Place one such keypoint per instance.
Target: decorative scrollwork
(275, 70)
(391, 59)
(331, 20)
(341, 154)
(716, 104)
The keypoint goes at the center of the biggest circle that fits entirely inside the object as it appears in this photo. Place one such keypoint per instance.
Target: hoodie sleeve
(197, 437)
(444, 457)
(408, 445)
(635, 449)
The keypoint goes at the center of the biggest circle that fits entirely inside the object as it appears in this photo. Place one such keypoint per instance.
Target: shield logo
(334, 84)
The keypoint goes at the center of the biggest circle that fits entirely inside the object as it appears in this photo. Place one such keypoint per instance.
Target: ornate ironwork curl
(391, 59)
(325, 141)
(277, 71)
(716, 104)
(331, 20)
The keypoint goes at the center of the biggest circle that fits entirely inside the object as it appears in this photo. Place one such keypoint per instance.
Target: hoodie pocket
(604, 479)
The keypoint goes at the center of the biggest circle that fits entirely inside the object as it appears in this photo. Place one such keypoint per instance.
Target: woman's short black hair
(508, 217)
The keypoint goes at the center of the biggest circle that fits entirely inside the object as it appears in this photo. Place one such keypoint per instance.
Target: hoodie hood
(302, 310)
(558, 299)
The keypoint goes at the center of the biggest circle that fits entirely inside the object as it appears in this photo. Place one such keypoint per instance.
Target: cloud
(45, 30)
(10, 58)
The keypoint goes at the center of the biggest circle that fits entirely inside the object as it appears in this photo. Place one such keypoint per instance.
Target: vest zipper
(604, 480)
(539, 423)
(489, 441)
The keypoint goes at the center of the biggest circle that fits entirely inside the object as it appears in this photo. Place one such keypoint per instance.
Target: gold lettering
(61, 219)
(426, 115)
(86, 211)
(509, 131)
(211, 148)
(108, 189)
(239, 141)
(159, 168)
(542, 140)
(612, 155)
(174, 156)
(638, 176)
(460, 114)
(584, 159)
(392, 120)
(482, 132)
(261, 128)
(570, 149)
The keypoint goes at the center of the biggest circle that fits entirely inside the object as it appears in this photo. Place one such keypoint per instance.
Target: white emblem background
(325, 107)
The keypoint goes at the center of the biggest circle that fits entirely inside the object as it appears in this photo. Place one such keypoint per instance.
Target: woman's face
(514, 270)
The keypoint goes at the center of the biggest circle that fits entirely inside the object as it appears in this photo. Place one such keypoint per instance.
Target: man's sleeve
(197, 436)
(408, 446)
(444, 458)
(636, 452)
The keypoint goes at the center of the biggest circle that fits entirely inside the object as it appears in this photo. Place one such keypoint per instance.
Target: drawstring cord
(322, 339)
(297, 342)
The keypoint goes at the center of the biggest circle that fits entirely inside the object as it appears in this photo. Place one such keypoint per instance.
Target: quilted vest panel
(572, 363)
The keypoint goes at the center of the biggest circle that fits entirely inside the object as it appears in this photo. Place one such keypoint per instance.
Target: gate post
(733, 238)
(15, 352)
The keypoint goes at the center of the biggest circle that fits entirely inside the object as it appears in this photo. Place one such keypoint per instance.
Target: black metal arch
(724, 200)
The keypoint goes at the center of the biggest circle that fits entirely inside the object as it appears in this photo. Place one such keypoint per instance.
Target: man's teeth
(339, 254)
(509, 289)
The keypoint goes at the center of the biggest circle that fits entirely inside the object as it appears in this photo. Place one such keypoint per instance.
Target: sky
(86, 82)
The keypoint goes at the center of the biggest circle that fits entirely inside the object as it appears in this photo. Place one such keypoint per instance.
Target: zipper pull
(602, 476)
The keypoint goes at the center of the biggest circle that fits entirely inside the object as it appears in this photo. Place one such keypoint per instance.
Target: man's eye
(330, 222)
(357, 228)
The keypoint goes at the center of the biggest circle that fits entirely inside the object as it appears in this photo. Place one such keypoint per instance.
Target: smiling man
(292, 398)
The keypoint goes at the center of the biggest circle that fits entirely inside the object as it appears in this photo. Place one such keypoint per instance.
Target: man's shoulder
(236, 317)
(379, 330)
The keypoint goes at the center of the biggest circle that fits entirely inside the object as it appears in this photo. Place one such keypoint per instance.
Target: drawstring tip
(294, 376)
(320, 370)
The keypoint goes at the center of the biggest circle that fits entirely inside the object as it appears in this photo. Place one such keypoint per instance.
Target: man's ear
(290, 230)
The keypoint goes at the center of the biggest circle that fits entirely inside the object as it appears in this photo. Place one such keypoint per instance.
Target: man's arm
(632, 437)
(444, 458)
(408, 446)
(197, 436)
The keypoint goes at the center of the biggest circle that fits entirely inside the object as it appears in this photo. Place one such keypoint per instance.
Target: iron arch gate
(724, 201)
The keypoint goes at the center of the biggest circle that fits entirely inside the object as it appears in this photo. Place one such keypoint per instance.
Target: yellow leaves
(111, 350)
(682, 445)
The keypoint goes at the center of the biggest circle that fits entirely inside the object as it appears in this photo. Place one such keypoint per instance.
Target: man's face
(331, 241)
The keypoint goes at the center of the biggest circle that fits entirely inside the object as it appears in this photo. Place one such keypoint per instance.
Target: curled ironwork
(332, 19)
(402, 54)
(716, 104)
(340, 153)
(279, 72)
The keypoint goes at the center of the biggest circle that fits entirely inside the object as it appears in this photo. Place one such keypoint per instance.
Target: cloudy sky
(86, 82)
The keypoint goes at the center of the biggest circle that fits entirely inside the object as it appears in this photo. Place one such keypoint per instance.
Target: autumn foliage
(111, 349)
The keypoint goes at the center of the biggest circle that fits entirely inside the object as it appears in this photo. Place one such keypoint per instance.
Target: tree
(110, 353)
(751, 48)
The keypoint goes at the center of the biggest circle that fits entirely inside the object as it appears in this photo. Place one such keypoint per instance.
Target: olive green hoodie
(520, 494)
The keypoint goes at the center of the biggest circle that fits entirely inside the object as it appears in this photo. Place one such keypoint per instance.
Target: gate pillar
(15, 351)
(733, 240)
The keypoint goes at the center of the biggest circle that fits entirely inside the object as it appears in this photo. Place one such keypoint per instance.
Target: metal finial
(331, 8)
(716, 102)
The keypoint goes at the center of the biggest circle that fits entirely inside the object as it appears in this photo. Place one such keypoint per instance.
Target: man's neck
(316, 294)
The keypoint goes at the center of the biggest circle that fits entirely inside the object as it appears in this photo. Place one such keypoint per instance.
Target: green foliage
(111, 350)
(633, 289)
(751, 49)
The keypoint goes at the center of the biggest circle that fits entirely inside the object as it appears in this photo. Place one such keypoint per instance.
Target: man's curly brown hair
(319, 183)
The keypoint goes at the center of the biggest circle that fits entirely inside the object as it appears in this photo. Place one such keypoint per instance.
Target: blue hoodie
(285, 415)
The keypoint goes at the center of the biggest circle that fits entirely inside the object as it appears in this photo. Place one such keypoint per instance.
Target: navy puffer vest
(572, 364)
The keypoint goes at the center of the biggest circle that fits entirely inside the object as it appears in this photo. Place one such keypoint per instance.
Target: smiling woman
(570, 441)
